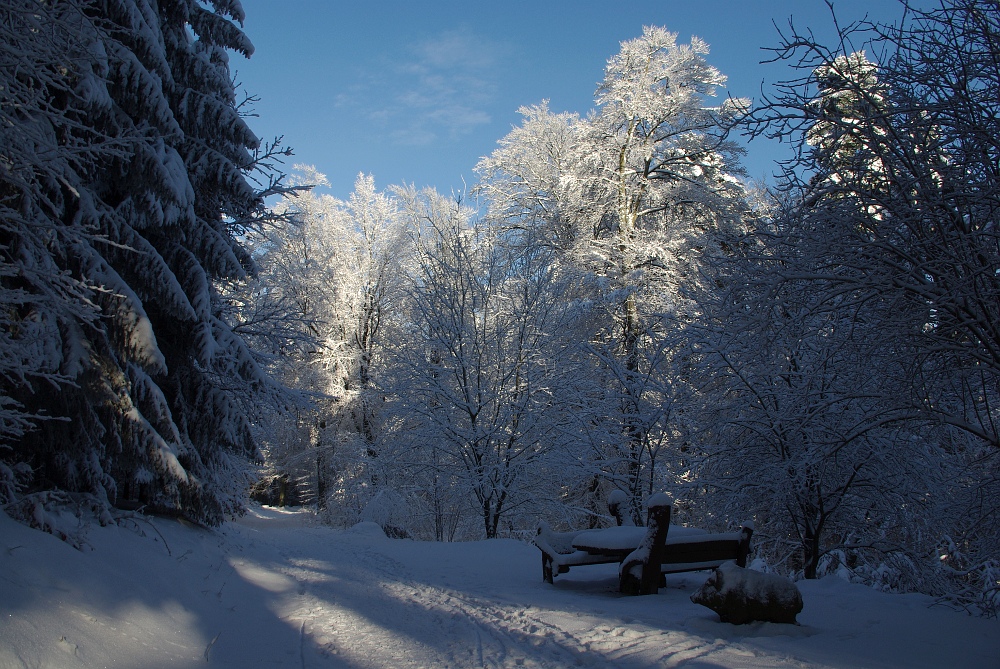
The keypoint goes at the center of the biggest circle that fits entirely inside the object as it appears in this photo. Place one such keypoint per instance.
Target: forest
(187, 323)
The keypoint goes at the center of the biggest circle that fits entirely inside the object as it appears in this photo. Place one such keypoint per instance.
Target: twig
(210, 644)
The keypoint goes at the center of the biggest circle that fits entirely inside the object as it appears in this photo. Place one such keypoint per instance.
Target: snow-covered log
(741, 596)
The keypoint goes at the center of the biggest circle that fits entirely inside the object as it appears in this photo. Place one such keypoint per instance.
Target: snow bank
(368, 528)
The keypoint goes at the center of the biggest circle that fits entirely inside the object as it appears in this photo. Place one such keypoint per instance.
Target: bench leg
(659, 524)
(743, 550)
(627, 583)
(546, 568)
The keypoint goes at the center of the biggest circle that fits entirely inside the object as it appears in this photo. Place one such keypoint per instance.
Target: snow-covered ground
(273, 590)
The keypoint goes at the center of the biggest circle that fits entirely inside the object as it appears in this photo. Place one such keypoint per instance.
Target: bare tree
(898, 168)
(870, 299)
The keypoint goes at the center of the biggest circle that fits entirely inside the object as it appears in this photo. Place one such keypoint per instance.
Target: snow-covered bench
(558, 553)
(611, 545)
(661, 552)
(685, 549)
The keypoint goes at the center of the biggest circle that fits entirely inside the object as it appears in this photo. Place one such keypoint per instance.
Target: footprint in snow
(69, 647)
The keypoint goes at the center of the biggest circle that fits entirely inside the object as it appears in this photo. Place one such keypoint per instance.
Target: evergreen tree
(140, 195)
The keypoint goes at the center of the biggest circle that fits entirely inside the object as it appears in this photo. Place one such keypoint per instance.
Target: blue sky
(417, 91)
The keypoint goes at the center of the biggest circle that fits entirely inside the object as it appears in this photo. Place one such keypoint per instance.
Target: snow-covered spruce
(121, 212)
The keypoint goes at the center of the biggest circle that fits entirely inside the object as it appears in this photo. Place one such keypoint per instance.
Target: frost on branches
(324, 304)
(632, 195)
(852, 351)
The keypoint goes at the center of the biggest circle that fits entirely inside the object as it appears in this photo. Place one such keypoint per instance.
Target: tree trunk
(320, 481)
(811, 551)
(633, 426)
(489, 519)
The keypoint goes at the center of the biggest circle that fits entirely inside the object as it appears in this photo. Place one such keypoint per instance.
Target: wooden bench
(559, 554)
(636, 549)
(641, 572)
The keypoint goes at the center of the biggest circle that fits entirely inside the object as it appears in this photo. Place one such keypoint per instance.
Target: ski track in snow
(273, 590)
(481, 630)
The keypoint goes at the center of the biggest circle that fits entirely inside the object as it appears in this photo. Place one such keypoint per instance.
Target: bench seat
(558, 553)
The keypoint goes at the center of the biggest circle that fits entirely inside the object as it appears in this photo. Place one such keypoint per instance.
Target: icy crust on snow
(275, 589)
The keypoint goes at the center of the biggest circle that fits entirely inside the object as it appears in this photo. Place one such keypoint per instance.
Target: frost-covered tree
(374, 275)
(329, 285)
(633, 193)
(795, 427)
(284, 314)
(43, 60)
(848, 92)
(531, 180)
(478, 381)
(888, 251)
(903, 182)
(124, 198)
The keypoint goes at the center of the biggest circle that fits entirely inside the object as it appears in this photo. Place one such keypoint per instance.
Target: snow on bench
(558, 553)
(613, 540)
(562, 550)
(677, 549)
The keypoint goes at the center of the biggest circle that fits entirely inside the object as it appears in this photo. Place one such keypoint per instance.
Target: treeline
(611, 307)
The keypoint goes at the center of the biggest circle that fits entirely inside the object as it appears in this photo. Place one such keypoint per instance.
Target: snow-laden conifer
(124, 195)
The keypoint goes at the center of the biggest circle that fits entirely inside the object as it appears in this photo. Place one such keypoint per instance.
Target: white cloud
(434, 90)
(457, 47)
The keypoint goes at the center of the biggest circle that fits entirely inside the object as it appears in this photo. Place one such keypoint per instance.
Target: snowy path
(274, 591)
(426, 605)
